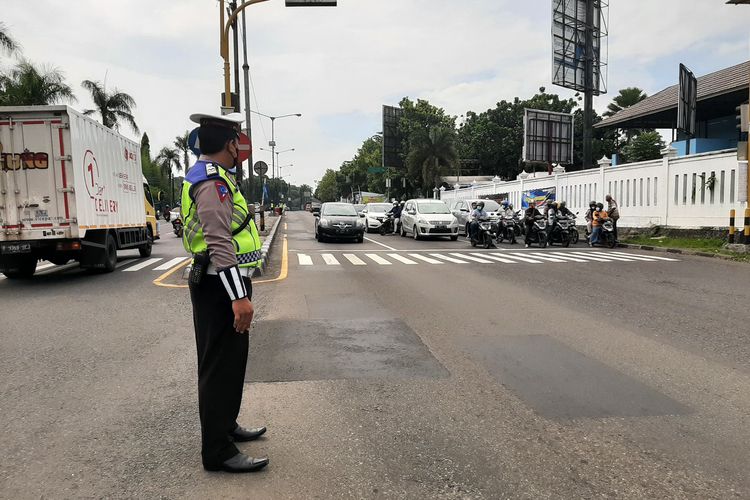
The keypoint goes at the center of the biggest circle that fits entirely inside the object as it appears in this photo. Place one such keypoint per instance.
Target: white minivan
(425, 217)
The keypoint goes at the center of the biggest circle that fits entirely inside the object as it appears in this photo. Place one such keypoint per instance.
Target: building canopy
(719, 93)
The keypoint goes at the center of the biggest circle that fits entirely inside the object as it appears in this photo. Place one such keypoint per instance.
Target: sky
(338, 66)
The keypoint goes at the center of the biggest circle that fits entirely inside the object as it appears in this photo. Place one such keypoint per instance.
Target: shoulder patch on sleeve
(222, 191)
(211, 170)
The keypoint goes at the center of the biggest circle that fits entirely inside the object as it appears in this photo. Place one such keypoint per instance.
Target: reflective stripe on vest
(246, 242)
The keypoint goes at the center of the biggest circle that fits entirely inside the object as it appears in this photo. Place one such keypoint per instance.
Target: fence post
(666, 154)
(731, 226)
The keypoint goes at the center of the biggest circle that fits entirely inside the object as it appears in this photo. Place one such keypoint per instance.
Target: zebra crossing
(333, 260)
(154, 264)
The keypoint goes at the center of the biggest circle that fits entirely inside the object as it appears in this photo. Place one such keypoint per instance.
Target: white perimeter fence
(683, 192)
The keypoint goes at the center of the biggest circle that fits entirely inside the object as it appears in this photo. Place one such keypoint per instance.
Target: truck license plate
(16, 248)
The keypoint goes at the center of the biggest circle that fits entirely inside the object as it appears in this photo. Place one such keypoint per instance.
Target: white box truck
(70, 189)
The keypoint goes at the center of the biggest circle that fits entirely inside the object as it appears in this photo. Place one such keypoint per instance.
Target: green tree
(7, 43)
(645, 146)
(604, 142)
(27, 85)
(626, 98)
(182, 143)
(169, 160)
(327, 189)
(431, 154)
(114, 107)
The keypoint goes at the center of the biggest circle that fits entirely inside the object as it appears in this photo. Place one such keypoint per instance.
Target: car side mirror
(464, 209)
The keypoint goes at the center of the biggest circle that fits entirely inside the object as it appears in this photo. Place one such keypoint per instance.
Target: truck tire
(145, 249)
(109, 256)
(20, 268)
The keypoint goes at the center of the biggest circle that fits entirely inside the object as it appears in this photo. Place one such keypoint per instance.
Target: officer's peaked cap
(232, 120)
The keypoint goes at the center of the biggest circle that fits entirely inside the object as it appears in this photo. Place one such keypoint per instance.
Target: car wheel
(416, 233)
(403, 231)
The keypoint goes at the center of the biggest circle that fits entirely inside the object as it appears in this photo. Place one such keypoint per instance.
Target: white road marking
(449, 259)
(354, 259)
(141, 265)
(170, 264)
(648, 256)
(496, 257)
(544, 257)
(401, 258)
(330, 260)
(378, 259)
(522, 258)
(631, 257)
(304, 259)
(426, 259)
(587, 256)
(610, 258)
(472, 258)
(381, 244)
(563, 255)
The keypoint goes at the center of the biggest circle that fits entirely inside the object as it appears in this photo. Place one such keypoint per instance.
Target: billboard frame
(549, 144)
(393, 147)
(687, 102)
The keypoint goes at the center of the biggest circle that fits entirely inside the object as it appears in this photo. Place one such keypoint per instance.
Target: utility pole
(588, 101)
(246, 70)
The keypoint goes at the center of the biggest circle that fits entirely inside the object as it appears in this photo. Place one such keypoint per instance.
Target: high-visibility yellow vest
(244, 233)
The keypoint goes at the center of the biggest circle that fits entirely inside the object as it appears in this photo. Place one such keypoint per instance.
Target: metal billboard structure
(547, 137)
(687, 102)
(393, 156)
(579, 55)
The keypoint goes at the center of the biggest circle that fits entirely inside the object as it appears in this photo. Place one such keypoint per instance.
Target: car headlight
(423, 222)
(324, 222)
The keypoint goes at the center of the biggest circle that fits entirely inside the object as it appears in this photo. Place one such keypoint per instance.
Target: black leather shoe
(239, 463)
(241, 434)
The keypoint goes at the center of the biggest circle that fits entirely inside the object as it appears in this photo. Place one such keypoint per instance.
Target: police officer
(221, 235)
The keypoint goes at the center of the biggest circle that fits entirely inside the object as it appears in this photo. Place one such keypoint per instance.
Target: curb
(266, 248)
(675, 250)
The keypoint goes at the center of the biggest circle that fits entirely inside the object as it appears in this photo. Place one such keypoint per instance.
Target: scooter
(560, 232)
(607, 234)
(386, 224)
(486, 234)
(508, 229)
(538, 232)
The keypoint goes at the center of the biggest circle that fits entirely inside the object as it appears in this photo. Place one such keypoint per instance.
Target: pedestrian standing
(221, 235)
(614, 213)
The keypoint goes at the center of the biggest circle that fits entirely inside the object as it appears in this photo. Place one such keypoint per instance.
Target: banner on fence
(540, 196)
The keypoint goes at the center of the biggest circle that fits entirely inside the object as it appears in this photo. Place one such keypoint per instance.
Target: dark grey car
(339, 221)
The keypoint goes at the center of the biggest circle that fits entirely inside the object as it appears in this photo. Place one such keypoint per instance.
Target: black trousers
(222, 359)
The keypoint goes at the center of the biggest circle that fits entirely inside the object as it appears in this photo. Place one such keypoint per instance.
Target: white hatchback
(425, 217)
(374, 214)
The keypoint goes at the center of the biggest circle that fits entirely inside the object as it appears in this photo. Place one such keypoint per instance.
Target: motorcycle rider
(563, 210)
(614, 212)
(590, 217)
(598, 218)
(529, 217)
(396, 212)
(477, 214)
(550, 213)
(507, 209)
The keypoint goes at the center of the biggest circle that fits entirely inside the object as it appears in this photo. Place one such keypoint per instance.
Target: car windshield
(491, 206)
(359, 208)
(339, 210)
(431, 207)
(378, 207)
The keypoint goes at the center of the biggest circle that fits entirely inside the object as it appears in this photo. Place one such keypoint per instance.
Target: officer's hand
(243, 314)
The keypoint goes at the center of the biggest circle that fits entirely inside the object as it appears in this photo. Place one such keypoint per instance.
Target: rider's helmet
(480, 205)
(592, 204)
(552, 204)
(562, 204)
(402, 203)
(395, 203)
(510, 206)
(505, 203)
(473, 204)
(600, 206)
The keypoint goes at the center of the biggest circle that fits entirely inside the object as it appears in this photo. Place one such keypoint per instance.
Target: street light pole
(246, 70)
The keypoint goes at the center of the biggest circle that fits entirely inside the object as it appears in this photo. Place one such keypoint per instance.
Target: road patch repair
(298, 350)
(560, 383)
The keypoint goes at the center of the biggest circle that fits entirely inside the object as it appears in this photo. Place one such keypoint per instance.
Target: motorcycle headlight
(325, 222)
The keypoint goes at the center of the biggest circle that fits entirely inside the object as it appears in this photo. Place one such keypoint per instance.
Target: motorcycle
(538, 232)
(572, 230)
(560, 232)
(485, 234)
(177, 227)
(509, 229)
(607, 234)
(386, 224)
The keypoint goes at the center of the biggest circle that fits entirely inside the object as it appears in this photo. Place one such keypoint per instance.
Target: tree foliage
(643, 147)
(624, 99)
(432, 153)
(182, 143)
(113, 107)
(327, 189)
(8, 44)
(27, 85)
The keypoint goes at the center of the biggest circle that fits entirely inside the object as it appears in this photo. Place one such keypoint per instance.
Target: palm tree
(182, 143)
(26, 85)
(113, 107)
(626, 98)
(168, 158)
(7, 42)
(429, 153)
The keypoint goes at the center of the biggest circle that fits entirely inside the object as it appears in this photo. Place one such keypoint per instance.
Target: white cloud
(337, 66)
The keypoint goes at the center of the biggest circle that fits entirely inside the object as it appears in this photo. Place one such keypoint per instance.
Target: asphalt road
(391, 369)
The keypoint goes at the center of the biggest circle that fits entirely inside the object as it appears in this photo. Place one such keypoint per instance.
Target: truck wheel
(145, 249)
(20, 269)
(109, 254)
